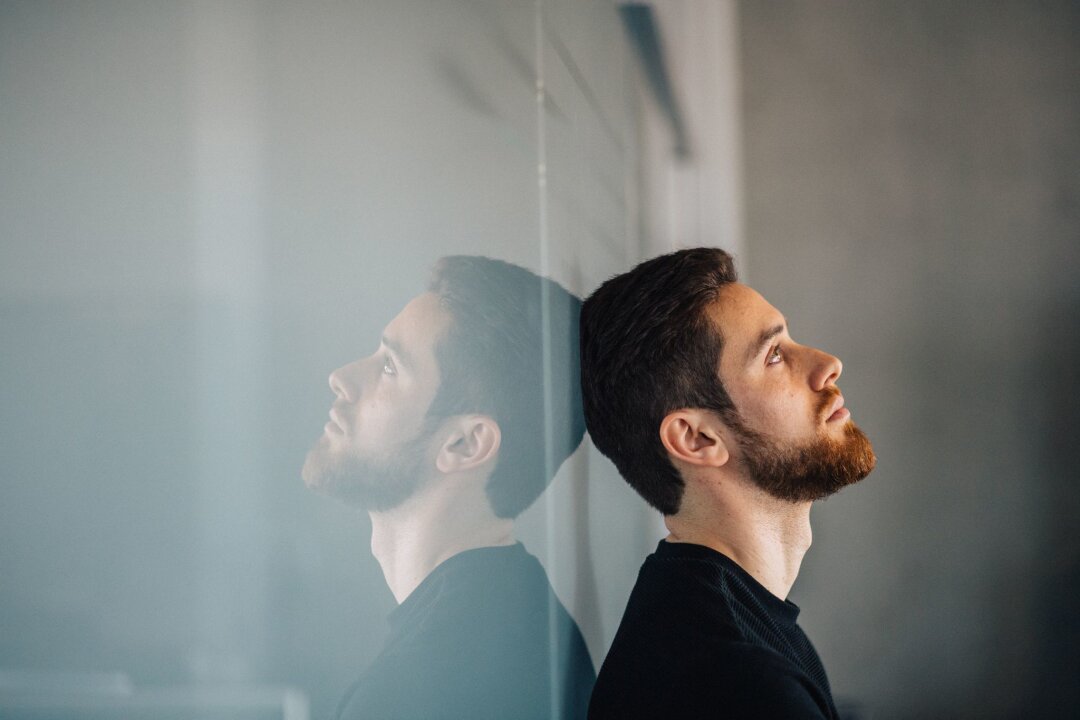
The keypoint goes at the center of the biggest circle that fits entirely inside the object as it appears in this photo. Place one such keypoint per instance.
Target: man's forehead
(738, 299)
(419, 325)
(742, 314)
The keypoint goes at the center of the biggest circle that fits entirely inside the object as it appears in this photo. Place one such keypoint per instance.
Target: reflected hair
(648, 348)
(511, 352)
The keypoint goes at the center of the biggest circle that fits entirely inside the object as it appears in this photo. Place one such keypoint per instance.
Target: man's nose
(341, 383)
(827, 369)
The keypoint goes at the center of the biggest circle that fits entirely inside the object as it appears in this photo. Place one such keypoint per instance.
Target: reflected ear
(472, 441)
(693, 436)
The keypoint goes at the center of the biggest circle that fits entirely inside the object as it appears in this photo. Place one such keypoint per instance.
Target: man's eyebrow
(763, 339)
(394, 347)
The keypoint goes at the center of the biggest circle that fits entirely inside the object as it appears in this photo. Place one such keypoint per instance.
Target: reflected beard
(375, 486)
(800, 473)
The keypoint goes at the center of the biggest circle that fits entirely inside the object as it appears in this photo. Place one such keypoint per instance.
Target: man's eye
(774, 356)
(388, 367)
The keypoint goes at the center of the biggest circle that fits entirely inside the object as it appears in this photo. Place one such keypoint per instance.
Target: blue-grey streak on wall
(206, 207)
(912, 187)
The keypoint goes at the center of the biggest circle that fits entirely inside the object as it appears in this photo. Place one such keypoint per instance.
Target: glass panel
(208, 207)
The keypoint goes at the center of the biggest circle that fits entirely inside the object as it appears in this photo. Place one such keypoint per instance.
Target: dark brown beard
(816, 470)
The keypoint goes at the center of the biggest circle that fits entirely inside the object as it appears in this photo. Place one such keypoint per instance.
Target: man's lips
(335, 425)
(837, 411)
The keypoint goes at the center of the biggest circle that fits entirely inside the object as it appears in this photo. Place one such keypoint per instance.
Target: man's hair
(649, 347)
(511, 352)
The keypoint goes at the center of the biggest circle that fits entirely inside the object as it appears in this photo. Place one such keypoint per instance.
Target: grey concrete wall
(913, 205)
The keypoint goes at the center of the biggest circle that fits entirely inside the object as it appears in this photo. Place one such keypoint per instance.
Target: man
(694, 388)
(451, 429)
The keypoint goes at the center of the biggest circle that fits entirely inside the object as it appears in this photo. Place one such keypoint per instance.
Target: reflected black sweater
(701, 638)
(483, 636)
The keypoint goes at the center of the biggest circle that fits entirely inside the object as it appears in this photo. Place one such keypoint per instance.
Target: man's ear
(471, 441)
(694, 436)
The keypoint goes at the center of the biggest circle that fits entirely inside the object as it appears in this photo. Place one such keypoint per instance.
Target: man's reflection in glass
(450, 430)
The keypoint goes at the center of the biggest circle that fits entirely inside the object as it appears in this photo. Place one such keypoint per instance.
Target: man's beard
(811, 471)
(373, 485)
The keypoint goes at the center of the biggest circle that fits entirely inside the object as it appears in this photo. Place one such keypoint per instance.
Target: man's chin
(844, 463)
(315, 472)
(326, 474)
(329, 481)
(358, 484)
(812, 472)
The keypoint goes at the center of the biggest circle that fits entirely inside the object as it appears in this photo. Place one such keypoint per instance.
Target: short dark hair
(649, 347)
(511, 352)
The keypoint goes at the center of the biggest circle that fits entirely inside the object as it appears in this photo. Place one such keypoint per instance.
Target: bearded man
(444, 435)
(716, 417)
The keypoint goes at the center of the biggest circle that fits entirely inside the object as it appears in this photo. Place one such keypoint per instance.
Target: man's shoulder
(479, 642)
(491, 594)
(679, 620)
(689, 592)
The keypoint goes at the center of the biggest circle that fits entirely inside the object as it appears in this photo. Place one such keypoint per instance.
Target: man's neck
(766, 537)
(432, 526)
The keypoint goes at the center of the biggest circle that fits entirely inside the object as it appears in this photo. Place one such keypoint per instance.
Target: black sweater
(701, 638)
